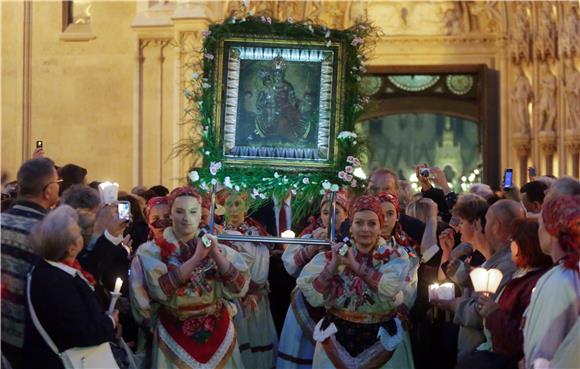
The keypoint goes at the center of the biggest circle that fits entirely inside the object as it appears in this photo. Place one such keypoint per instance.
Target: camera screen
(507, 183)
(124, 209)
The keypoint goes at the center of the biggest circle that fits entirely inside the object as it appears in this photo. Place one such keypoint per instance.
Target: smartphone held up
(124, 210)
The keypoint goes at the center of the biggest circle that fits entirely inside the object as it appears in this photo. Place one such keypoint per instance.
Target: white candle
(485, 280)
(118, 285)
(288, 234)
(446, 291)
(433, 291)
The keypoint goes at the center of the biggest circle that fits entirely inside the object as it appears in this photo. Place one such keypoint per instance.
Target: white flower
(322, 192)
(203, 186)
(345, 135)
(193, 176)
(209, 56)
(237, 188)
(214, 167)
(206, 152)
(213, 181)
(326, 185)
(310, 28)
(262, 196)
(327, 34)
(255, 193)
(227, 182)
(328, 43)
(293, 192)
(206, 85)
(306, 180)
(276, 175)
(290, 20)
(246, 3)
(334, 188)
(194, 75)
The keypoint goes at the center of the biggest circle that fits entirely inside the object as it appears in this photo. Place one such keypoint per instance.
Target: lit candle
(446, 291)
(433, 291)
(288, 234)
(486, 281)
(118, 285)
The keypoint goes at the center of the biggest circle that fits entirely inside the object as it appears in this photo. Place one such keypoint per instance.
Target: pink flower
(353, 184)
(348, 178)
(209, 324)
(350, 159)
(290, 20)
(214, 167)
(357, 41)
(342, 174)
(348, 169)
(206, 33)
(356, 162)
(305, 180)
(191, 326)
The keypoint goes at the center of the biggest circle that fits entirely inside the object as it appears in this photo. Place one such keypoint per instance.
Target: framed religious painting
(278, 102)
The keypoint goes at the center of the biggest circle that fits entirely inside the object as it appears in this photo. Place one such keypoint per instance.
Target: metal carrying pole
(212, 209)
(331, 231)
(293, 241)
(258, 239)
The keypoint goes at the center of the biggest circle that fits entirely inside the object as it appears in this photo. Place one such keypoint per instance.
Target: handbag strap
(35, 320)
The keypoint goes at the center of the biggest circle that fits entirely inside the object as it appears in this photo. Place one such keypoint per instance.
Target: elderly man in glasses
(38, 187)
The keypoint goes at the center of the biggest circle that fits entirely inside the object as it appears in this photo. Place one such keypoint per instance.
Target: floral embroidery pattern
(199, 329)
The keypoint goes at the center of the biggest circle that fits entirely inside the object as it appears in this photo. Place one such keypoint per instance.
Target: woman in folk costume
(361, 291)
(257, 337)
(555, 303)
(296, 343)
(144, 311)
(191, 278)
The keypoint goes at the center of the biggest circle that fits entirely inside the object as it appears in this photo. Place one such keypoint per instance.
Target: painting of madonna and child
(283, 107)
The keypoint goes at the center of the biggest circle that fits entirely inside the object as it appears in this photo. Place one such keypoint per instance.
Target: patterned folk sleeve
(140, 300)
(236, 279)
(314, 280)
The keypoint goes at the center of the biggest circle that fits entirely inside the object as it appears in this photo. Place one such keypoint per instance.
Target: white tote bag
(92, 357)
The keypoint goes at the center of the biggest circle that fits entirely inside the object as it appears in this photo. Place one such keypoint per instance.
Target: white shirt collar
(69, 270)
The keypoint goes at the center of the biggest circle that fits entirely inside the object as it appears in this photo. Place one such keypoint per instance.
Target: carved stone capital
(572, 139)
(522, 144)
(548, 142)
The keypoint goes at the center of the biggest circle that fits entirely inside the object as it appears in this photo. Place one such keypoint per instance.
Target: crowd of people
(360, 300)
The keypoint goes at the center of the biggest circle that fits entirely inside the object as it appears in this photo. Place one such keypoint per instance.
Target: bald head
(499, 221)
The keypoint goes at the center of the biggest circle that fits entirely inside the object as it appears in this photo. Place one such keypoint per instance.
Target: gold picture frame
(278, 102)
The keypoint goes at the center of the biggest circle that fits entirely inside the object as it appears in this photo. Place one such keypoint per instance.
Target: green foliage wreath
(263, 183)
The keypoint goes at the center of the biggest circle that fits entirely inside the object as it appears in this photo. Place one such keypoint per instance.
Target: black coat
(69, 312)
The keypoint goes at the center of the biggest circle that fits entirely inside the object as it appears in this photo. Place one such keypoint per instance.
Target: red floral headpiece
(341, 199)
(366, 202)
(561, 216)
(389, 197)
(183, 191)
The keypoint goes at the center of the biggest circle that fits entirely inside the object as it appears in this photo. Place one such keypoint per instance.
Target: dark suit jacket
(69, 312)
(107, 261)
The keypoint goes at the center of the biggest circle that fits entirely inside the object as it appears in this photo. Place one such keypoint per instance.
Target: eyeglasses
(49, 183)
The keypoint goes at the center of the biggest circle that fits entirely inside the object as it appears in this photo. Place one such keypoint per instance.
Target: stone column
(523, 149)
(573, 145)
(549, 146)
